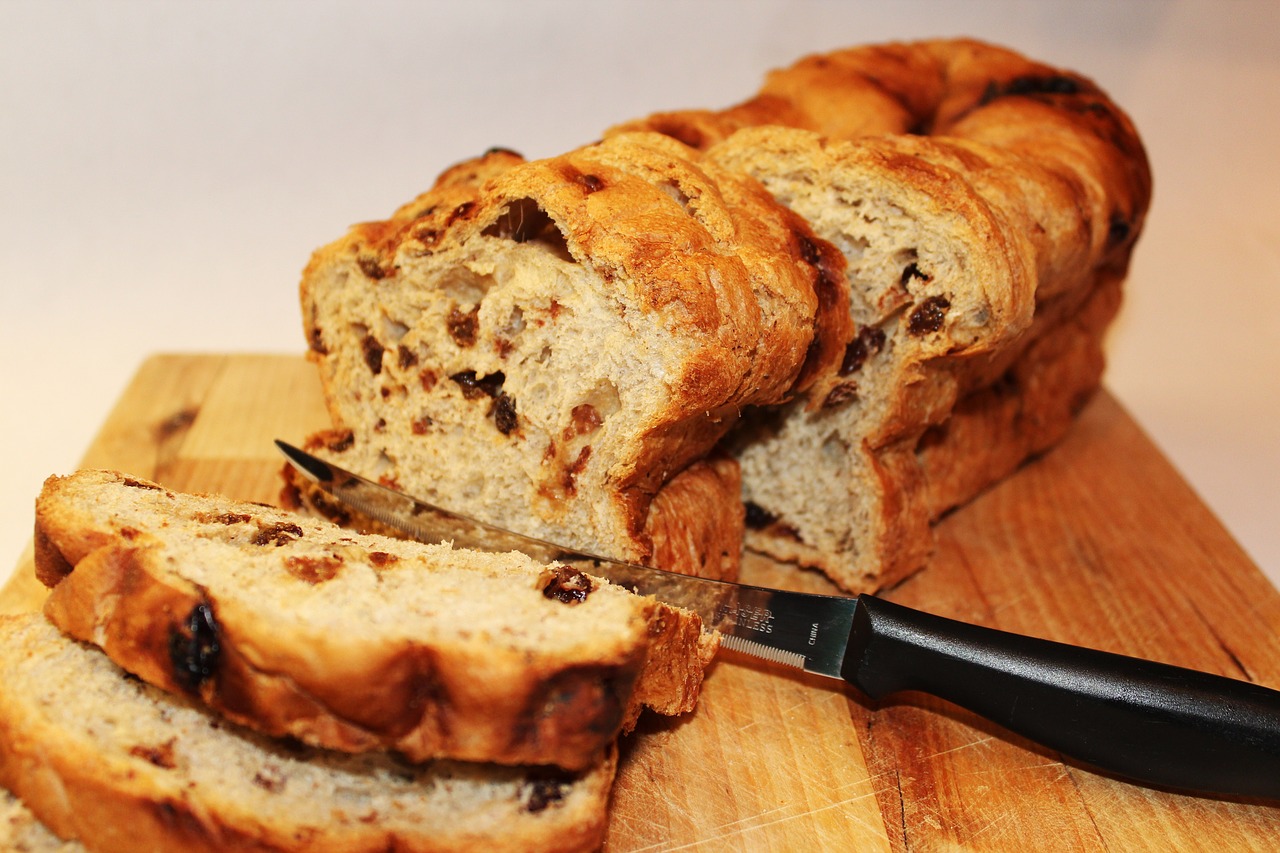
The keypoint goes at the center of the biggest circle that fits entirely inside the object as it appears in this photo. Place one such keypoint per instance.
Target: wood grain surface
(1099, 542)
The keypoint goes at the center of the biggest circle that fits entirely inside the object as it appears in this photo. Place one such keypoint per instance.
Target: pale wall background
(167, 167)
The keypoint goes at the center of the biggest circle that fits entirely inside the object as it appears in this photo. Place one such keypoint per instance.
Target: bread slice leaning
(294, 626)
(110, 760)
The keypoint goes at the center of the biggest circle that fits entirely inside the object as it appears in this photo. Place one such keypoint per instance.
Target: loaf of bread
(553, 346)
(986, 206)
(354, 642)
(123, 767)
(973, 209)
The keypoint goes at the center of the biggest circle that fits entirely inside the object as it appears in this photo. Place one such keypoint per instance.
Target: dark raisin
(195, 648)
(280, 533)
(406, 357)
(544, 792)
(929, 315)
(316, 342)
(567, 585)
(463, 326)
(161, 756)
(913, 271)
(591, 182)
(370, 266)
(842, 393)
(870, 340)
(504, 413)
(270, 778)
(1119, 230)
(498, 149)
(467, 382)
(372, 353)
(473, 387)
(232, 518)
(428, 379)
(381, 559)
(422, 425)
(757, 517)
(341, 442)
(1031, 85)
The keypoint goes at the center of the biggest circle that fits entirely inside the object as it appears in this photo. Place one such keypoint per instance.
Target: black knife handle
(1149, 722)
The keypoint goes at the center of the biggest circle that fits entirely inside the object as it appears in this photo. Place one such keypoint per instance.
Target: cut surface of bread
(107, 759)
(547, 345)
(358, 642)
(943, 280)
(984, 203)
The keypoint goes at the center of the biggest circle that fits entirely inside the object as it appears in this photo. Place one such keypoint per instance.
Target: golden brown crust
(996, 428)
(695, 521)
(1058, 174)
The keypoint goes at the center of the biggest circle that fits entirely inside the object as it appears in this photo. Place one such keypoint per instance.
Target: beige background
(166, 168)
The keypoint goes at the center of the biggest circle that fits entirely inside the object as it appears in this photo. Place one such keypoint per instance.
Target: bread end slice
(99, 756)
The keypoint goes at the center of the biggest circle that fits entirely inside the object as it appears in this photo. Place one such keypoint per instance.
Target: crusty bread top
(295, 626)
(961, 88)
(108, 759)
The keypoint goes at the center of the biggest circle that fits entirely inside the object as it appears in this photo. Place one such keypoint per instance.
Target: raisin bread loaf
(296, 627)
(552, 345)
(110, 760)
(987, 206)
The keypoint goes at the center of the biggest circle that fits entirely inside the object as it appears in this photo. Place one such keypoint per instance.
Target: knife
(1146, 722)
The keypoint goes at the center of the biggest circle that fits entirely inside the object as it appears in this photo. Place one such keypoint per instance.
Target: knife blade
(1147, 722)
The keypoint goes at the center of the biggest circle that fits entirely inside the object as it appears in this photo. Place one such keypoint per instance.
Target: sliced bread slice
(297, 627)
(107, 759)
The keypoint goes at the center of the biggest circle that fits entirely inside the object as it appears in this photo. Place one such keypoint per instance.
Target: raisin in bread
(297, 627)
(110, 760)
(984, 259)
(551, 345)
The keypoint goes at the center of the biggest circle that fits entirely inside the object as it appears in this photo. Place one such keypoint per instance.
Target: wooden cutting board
(1098, 543)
